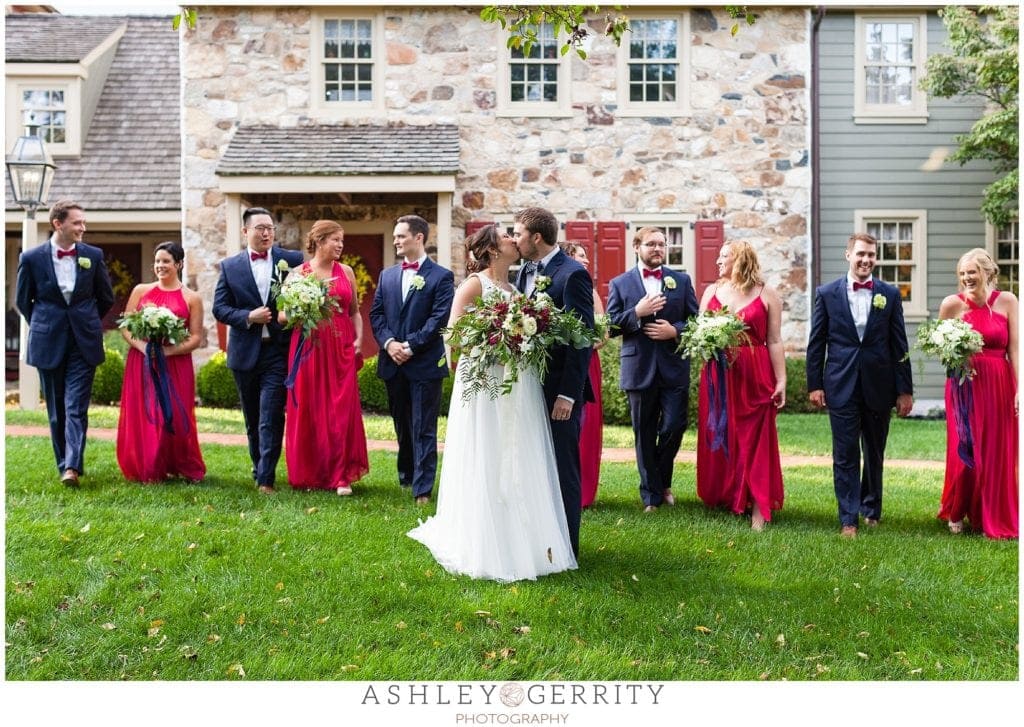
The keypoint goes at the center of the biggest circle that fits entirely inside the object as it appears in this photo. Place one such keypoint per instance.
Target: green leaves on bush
(106, 385)
(373, 394)
(215, 384)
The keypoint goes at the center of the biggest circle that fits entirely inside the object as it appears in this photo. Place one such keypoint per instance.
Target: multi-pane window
(889, 62)
(653, 61)
(348, 59)
(534, 77)
(675, 243)
(896, 254)
(1007, 254)
(45, 109)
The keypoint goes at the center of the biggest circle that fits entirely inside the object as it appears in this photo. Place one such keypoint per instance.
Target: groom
(857, 367)
(410, 307)
(566, 384)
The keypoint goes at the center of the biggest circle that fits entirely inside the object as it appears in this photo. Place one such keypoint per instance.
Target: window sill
(890, 119)
(533, 112)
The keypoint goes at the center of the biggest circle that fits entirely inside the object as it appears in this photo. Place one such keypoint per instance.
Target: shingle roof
(342, 150)
(44, 38)
(131, 156)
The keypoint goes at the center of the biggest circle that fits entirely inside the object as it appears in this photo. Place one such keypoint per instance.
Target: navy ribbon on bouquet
(302, 351)
(166, 397)
(718, 421)
(963, 401)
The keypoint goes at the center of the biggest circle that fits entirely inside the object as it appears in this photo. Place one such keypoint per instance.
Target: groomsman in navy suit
(410, 307)
(567, 383)
(63, 290)
(857, 367)
(649, 307)
(257, 345)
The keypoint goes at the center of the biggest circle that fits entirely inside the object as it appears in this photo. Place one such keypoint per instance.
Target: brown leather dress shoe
(871, 522)
(423, 500)
(668, 497)
(69, 478)
(651, 508)
(848, 531)
(266, 489)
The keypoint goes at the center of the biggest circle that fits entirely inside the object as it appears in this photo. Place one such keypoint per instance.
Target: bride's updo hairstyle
(481, 246)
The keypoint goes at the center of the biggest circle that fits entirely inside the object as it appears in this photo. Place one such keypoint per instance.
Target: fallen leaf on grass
(702, 629)
(862, 655)
(635, 578)
(400, 625)
(312, 510)
(279, 586)
(108, 626)
(236, 670)
(809, 627)
(459, 627)
(152, 631)
(212, 638)
(140, 536)
(85, 528)
(820, 668)
(508, 652)
(763, 676)
(481, 613)
(187, 652)
(324, 619)
(286, 599)
(619, 521)
(192, 546)
(241, 619)
(916, 671)
(780, 639)
(521, 629)
(863, 635)
(350, 667)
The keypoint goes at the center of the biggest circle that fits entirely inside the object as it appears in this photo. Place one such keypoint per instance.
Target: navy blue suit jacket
(52, 321)
(418, 319)
(572, 290)
(643, 359)
(837, 360)
(236, 295)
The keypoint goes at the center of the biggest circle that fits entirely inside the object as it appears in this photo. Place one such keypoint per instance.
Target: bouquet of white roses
(953, 341)
(305, 301)
(154, 323)
(515, 333)
(710, 333)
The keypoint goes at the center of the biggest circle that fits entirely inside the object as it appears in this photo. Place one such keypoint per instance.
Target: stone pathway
(610, 454)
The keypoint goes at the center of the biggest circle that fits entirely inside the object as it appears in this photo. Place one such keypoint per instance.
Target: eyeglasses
(654, 245)
(262, 229)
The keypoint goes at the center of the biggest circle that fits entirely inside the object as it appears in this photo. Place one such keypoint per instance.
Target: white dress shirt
(860, 305)
(66, 269)
(651, 284)
(261, 273)
(531, 277)
(408, 274)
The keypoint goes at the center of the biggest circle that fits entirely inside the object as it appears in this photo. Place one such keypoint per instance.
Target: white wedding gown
(499, 509)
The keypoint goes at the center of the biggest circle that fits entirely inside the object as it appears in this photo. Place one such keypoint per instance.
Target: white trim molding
(916, 112)
(506, 107)
(916, 309)
(302, 184)
(664, 219)
(680, 106)
(317, 62)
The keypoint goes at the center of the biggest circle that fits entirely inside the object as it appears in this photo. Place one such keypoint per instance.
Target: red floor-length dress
(591, 436)
(146, 450)
(987, 494)
(325, 444)
(752, 471)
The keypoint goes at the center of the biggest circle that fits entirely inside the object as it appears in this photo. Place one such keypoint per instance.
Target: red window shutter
(474, 226)
(709, 236)
(582, 232)
(611, 254)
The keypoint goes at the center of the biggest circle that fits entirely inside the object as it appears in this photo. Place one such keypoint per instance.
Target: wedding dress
(499, 509)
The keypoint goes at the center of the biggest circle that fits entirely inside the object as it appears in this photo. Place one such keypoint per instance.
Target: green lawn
(180, 582)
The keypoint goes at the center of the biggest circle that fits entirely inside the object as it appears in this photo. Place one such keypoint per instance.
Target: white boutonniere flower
(84, 262)
(542, 282)
(417, 282)
(878, 301)
(282, 265)
(670, 283)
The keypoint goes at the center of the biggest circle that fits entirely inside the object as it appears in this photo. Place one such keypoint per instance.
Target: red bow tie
(862, 286)
(411, 266)
(64, 253)
(652, 273)
(258, 255)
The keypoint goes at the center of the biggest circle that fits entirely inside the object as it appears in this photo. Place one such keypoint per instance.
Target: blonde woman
(745, 475)
(985, 493)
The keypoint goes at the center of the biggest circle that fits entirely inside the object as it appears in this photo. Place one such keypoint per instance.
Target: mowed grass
(210, 581)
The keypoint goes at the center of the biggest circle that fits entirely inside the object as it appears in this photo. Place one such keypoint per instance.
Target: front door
(365, 254)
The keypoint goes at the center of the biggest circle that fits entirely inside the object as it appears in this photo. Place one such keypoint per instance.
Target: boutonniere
(281, 269)
(84, 262)
(878, 301)
(417, 282)
(670, 283)
(542, 282)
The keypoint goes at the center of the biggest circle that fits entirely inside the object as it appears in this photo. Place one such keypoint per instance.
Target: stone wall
(742, 156)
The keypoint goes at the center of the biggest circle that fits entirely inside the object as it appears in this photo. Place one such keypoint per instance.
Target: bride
(499, 509)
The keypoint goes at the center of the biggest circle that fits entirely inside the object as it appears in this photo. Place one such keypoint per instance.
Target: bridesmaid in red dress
(985, 494)
(745, 475)
(592, 433)
(325, 445)
(147, 449)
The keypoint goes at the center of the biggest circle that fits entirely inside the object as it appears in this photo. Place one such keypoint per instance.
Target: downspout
(815, 152)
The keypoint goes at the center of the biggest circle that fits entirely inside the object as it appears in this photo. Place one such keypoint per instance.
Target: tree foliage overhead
(984, 62)
(523, 22)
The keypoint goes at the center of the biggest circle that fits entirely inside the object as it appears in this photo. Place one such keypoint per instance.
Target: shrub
(106, 385)
(374, 394)
(215, 384)
(115, 341)
(614, 403)
(796, 387)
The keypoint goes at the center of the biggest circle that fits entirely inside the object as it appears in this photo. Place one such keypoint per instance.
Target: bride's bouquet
(305, 301)
(514, 333)
(709, 334)
(154, 323)
(953, 342)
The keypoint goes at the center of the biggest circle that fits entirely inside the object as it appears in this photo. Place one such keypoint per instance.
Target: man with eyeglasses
(649, 307)
(257, 346)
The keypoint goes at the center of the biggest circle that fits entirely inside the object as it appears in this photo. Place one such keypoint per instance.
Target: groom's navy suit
(861, 379)
(414, 388)
(571, 289)
(65, 340)
(655, 377)
(258, 364)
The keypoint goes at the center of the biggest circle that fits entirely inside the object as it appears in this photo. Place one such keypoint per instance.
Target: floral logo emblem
(670, 283)
(417, 282)
(878, 301)
(84, 263)
(542, 282)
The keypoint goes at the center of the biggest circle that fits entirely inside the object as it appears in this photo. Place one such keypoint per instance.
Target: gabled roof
(131, 155)
(342, 150)
(46, 38)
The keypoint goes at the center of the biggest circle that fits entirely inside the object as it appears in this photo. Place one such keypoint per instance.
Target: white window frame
(71, 87)
(544, 109)
(679, 107)
(688, 243)
(317, 62)
(991, 244)
(916, 310)
(917, 111)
